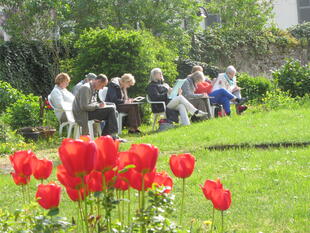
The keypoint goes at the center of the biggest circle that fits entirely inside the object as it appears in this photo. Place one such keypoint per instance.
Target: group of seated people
(191, 99)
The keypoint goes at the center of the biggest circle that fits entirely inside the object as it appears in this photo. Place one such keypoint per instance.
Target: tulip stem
(212, 219)
(23, 191)
(123, 207)
(129, 206)
(142, 207)
(80, 211)
(182, 201)
(85, 204)
(222, 221)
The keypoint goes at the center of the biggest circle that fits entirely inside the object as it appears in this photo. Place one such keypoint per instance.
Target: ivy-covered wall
(28, 66)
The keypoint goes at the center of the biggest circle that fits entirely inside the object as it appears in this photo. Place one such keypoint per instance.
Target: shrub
(277, 99)
(115, 52)
(8, 95)
(254, 87)
(25, 112)
(301, 31)
(293, 77)
(185, 68)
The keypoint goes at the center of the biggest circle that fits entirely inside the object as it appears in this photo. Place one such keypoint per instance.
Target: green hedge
(293, 77)
(115, 52)
(28, 66)
(254, 87)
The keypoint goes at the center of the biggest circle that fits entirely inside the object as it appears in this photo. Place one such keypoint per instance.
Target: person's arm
(112, 96)
(188, 93)
(85, 104)
(155, 95)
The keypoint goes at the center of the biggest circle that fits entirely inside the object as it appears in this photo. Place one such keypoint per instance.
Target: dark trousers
(134, 119)
(108, 115)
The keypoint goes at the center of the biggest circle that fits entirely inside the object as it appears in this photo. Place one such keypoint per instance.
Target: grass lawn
(270, 188)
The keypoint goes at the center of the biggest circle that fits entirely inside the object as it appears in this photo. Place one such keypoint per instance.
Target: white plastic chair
(120, 117)
(71, 123)
(157, 114)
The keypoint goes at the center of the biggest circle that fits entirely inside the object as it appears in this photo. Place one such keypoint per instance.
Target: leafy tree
(34, 19)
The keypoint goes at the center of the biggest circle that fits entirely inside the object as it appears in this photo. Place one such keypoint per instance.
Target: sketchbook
(175, 90)
(139, 98)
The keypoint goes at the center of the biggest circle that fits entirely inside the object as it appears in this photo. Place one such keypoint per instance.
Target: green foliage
(8, 95)
(115, 52)
(185, 68)
(25, 112)
(28, 66)
(254, 87)
(293, 77)
(277, 99)
(31, 219)
(34, 20)
(301, 31)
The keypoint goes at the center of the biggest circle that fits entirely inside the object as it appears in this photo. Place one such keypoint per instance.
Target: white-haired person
(228, 81)
(157, 90)
(60, 97)
(117, 93)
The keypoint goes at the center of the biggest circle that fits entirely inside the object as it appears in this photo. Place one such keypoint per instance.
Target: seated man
(86, 107)
(88, 78)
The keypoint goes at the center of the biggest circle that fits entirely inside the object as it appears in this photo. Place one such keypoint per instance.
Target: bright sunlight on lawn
(269, 187)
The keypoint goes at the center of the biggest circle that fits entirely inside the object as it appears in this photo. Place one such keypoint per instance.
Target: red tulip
(48, 195)
(78, 157)
(76, 194)
(41, 168)
(21, 161)
(210, 186)
(182, 165)
(136, 180)
(94, 181)
(221, 199)
(107, 153)
(163, 179)
(121, 183)
(148, 155)
(20, 180)
(214, 191)
(67, 180)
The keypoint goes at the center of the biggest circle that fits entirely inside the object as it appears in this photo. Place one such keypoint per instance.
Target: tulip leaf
(53, 212)
(125, 169)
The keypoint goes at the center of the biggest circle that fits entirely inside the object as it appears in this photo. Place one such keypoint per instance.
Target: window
(303, 11)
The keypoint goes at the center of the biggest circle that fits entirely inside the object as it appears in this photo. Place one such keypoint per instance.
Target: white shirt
(221, 82)
(61, 99)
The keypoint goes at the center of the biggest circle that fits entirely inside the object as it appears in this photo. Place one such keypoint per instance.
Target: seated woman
(117, 93)
(157, 90)
(60, 97)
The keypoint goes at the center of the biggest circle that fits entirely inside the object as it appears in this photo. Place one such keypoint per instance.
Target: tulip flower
(148, 155)
(76, 194)
(182, 165)
(78, 157)
(94, 181)
(209, 186)
(163, 179)
(21, 161)
(221, 199)
(41, 168)
(107, 153)
(137, 179)
(48, 195)
(20, 180)
(67, 180)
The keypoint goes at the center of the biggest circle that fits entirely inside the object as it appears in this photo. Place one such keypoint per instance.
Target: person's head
(197, 77)
(62, 80)
(197, 68)
(100, 82)
(231, 71)
(127, 80)
(156, 75)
